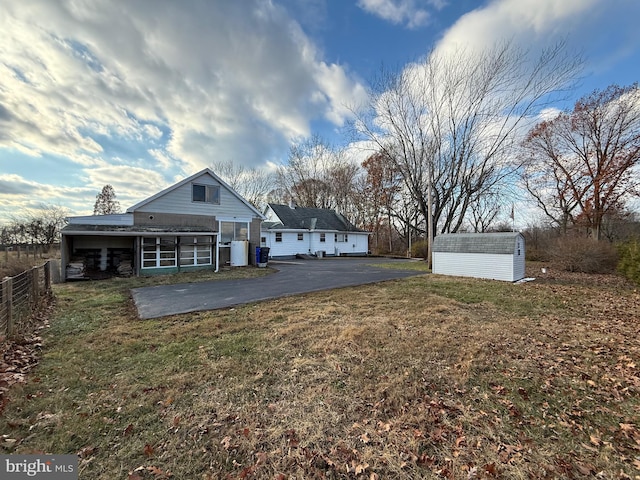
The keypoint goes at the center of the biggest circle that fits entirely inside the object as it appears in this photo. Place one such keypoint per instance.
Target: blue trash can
(257, 255)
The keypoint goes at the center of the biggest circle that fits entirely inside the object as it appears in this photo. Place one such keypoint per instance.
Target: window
(230, 231)
(195, 251)
(322, 238)
(158, 252)
(278, 236)
(341, 237)
(205, 193)
(301, 236)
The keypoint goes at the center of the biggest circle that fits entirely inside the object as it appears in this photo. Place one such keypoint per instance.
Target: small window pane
(241, 231)
(199, 193)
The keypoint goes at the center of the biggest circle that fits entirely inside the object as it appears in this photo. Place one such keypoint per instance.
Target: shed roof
(497, 243)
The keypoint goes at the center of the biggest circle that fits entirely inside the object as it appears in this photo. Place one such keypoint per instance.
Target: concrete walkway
(292, 278)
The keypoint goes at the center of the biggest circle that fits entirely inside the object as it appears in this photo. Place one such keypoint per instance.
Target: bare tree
(450, 122)
(580, 165)
(319, 175)
(379, 191)
(40, 226)
(106, 202)
(253, 184)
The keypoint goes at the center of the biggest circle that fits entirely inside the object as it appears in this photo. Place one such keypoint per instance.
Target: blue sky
(141, 94)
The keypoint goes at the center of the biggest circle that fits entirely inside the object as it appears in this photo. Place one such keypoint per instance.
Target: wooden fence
(21, 296)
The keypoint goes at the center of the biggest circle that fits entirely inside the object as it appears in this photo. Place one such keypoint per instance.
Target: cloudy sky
(139, 94)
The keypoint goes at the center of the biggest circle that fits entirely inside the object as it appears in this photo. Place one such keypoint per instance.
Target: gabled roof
(498, 243)
(309, 219)
(207, 171)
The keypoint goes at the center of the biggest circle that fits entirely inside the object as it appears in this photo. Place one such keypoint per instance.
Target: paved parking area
(292, 278)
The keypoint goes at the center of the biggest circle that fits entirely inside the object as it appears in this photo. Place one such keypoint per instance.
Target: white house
(189, 225)
(289, 231)
(497, 256)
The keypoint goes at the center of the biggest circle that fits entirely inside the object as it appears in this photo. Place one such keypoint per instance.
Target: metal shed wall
(496, 256)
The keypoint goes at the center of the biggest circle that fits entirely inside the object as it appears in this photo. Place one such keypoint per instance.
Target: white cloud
(410, 12)
(131, 184)
(18, 194)
(223, 79)
(535, 23)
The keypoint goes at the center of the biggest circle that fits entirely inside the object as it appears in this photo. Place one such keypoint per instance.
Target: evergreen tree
(106, 202)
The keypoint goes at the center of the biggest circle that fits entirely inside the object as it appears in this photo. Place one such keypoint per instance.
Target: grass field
(428, 377)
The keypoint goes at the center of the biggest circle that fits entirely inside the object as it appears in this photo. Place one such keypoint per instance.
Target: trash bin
(257, 255)
(264, 255)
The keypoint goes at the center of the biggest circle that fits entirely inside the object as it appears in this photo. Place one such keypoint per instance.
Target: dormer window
(205, 193)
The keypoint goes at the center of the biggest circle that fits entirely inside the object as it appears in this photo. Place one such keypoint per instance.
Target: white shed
(497, 256)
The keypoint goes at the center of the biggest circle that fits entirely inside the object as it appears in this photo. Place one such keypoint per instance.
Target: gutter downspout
(312, 227)
(217, 255)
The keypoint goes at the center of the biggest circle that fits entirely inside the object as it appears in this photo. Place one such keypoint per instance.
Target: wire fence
(21, 296)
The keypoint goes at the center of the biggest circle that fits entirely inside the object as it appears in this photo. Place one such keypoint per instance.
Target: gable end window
(205, 193)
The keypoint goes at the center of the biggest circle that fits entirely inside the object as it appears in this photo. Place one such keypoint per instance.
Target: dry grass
(428, 377)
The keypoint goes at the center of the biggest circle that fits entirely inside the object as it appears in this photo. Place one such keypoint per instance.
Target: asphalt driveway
(292, 278)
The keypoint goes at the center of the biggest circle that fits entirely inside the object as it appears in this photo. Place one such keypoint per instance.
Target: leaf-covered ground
(429, 377)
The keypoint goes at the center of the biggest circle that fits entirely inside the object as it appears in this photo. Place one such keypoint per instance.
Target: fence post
(35, 294)
(47, 276)
(9, 297)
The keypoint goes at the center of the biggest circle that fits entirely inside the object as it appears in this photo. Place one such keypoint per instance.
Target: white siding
(290, 245)
(178, 200)
(326, 246)
(357, 243)
(509, 268)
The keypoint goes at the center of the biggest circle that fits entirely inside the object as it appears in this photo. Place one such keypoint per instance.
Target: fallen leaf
(148, 450)
(156, 471)
(523, 393)
(490, 468)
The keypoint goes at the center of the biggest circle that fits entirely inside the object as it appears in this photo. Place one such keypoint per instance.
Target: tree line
(42, 226)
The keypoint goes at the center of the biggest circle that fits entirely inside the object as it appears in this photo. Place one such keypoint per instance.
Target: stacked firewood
(75, 270)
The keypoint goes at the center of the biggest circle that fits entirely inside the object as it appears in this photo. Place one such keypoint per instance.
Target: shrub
(629, 262)
(579, 254)
(14, 266)
(420, 249)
